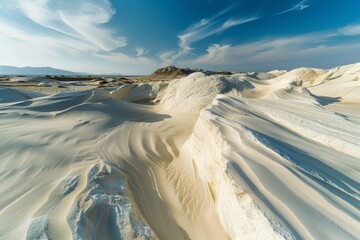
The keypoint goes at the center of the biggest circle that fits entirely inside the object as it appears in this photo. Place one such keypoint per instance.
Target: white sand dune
(248, 156)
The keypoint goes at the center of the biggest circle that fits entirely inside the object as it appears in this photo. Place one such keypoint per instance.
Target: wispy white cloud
(202, 30)
(206, 28)
(82, 19)
(297, 7)
(234, 22)
(350, 30)
(10, 34)
(167, 58)
(213, 52)
(285, 52)
(140, 51)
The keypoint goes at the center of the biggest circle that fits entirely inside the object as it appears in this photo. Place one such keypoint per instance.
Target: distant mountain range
(9, 70)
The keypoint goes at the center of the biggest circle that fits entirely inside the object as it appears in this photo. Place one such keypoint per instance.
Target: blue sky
(138, 36)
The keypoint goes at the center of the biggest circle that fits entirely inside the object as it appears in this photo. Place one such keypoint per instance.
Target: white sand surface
(248, 156)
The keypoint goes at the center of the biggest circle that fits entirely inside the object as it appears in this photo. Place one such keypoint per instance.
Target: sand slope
(244, 156)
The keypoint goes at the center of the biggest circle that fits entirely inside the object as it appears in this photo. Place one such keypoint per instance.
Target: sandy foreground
(245, 156)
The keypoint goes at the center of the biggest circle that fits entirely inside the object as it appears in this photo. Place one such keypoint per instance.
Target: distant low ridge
(173, 71)
(10, 70)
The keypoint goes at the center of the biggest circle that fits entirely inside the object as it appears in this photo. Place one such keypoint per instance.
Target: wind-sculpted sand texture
(244, 156)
